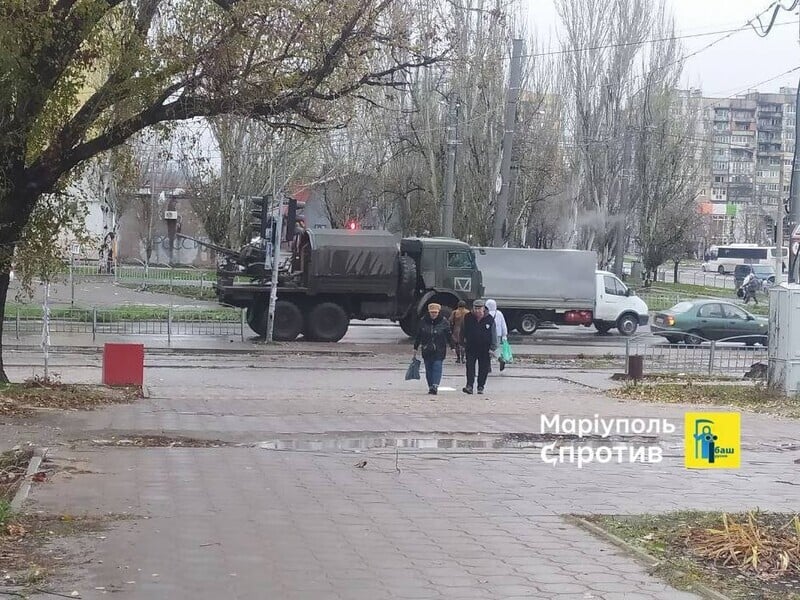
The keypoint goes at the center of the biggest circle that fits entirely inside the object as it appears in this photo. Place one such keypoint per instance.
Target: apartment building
(751, 145)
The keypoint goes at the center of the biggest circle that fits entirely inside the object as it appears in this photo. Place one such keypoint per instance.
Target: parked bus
(723, 259)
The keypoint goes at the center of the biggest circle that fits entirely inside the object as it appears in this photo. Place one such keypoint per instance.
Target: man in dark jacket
(433, 334)
(480, 340)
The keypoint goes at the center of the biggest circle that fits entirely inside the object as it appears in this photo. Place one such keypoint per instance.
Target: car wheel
(693, 338)
(721, 270)
(627, 324)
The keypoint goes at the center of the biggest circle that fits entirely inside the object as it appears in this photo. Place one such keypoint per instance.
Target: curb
(640, 555)
(25, 487)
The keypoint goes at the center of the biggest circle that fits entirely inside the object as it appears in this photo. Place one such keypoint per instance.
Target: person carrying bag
(433, 336)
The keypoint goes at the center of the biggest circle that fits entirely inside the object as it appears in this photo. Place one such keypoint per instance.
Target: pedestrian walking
(749, 287)
(500, 328)
(480, 340)
(433, 335)
(456, 325)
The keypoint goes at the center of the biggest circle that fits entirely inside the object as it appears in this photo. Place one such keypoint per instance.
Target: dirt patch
(26, 558)
(13, 464)
(750, 556)
(757, 398)
(22, 399)
(156, 441)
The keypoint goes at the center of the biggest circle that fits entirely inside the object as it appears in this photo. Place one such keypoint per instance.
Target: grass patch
(184, 291)
(753, 556)
(18, 399)
(131, 312)
(756, 398)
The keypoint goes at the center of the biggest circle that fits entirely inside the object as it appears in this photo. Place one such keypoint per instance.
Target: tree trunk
(675, 270)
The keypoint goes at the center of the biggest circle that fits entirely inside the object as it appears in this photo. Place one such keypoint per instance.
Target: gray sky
(729, 67)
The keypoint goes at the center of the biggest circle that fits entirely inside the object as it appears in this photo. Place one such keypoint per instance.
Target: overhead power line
(729, 33)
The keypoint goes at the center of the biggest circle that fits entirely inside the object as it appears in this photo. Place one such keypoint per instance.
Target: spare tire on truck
(407, 282)
(327, 322)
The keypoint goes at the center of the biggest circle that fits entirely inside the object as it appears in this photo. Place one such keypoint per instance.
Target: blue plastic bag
(413, 369)
(505, 352)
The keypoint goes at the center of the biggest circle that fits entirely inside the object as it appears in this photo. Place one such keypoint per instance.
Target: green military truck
(334, 276)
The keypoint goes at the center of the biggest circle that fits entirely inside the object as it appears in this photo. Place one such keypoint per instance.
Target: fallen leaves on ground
(758, 398)
(19, 399)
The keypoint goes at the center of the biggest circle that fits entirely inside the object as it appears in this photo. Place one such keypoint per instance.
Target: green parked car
(696, 321)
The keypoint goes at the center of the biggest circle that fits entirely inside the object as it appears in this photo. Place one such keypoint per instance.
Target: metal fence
(173, 322)
(726, 357)
(697, 278)
(139, 274)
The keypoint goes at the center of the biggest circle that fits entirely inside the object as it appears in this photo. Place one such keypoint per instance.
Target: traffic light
(259, 213)
(352, 225)
(294, 218)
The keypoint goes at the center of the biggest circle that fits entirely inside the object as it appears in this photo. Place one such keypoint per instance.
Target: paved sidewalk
(249, 522)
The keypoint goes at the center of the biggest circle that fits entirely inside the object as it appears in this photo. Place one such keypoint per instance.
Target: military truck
(333, 276)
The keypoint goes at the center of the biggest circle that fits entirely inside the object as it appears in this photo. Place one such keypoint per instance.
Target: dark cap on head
(462, 304)
(478, 304)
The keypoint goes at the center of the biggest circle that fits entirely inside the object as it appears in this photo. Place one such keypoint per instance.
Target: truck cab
(446, 273)
(617, 306)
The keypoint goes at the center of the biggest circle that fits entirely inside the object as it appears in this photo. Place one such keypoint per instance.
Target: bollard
(635, 367)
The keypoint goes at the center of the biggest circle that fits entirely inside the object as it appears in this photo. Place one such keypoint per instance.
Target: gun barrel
(220, 249)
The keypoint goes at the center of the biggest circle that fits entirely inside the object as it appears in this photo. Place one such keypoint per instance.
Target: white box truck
(558, 286)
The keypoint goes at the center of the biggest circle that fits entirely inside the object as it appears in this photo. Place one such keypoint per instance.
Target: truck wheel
(327, 322)
(409, 324)
(408, 278)
(602, 327)
(256, 320)
(288, 321)
(627, 324)
(528, 323)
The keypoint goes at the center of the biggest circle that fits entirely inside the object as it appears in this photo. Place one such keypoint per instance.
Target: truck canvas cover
(543, 279)
(352, 261)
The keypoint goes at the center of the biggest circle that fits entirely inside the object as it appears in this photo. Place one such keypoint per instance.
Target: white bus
(723, 259)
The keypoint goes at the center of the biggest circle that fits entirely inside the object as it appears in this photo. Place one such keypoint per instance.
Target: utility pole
(277, 221)
(276, 257)
(509, 125)
(450, 172)
(779, 244)
(794, 192)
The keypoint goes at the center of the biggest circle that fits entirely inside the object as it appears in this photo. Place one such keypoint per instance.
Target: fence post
(711, 357)
(627, 354)
(242, 321)
(94, 324)
(17, 323)
(169, 326)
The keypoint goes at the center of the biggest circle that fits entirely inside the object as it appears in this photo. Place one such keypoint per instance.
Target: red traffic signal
(352, 225)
